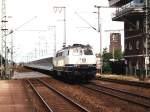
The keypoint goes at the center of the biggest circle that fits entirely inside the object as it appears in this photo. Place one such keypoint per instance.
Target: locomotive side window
(88, 52)
(66, 53)
(59, 54)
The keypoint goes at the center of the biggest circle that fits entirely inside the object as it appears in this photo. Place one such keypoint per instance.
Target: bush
(106, 68)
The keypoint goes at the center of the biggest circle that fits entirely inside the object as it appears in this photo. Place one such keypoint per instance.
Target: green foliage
(118, 54)
(106, 68)
(106, 55)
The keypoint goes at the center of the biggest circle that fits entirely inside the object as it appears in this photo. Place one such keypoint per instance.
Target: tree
(118, 54)
(106, 55)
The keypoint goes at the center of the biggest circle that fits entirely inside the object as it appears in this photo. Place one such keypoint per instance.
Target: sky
(32, 22)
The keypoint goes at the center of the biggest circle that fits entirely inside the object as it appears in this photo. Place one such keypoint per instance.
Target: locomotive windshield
(88, 51)
(82, 51)
(77, 51)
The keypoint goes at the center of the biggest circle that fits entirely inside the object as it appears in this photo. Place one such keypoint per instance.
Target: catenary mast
(3, 39)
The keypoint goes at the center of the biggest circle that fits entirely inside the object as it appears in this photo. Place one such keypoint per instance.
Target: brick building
(132, 12)
(115, 42)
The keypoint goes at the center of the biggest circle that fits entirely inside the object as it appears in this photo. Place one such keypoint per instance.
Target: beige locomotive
(75, 62)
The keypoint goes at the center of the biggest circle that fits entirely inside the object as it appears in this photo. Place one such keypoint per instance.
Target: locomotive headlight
(61, 63)
(82, 60)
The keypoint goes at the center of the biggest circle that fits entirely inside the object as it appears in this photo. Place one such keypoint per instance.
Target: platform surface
(13, 93)
(13, 97)
(31, 74)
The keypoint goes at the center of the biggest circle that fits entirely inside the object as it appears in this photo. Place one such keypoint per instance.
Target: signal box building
(132, 12)
(115, 42)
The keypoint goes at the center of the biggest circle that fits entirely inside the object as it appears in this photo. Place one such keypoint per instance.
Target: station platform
(31, 74)
(13, 97)
(122, 77)
(14, 94)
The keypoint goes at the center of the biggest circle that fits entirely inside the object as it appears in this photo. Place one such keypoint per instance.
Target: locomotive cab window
(77, 51)
(88, 51)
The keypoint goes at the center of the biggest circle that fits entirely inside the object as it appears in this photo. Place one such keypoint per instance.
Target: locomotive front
(77, 61)
(82, 62)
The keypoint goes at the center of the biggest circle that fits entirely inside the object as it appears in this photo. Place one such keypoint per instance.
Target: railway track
(54, 100)
(132, 83)
(137, 99)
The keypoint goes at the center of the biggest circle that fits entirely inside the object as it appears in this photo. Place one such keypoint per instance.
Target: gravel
(96, 102)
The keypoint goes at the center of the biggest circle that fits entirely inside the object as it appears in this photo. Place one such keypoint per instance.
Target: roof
(77, 45)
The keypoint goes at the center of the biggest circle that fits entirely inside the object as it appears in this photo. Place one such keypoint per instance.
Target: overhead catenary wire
(85, 21)
(25, 23)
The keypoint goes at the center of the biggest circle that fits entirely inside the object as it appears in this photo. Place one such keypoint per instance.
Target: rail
(73, 103)
(38, 94)
(126, 82)
(123, 95)
(64, 96)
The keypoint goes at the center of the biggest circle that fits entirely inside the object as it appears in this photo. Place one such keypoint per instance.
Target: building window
(130, 46)
(138, 1)
(137, 65)
(126, 46)
(137, 44)
(137, 25)
(130, 28)
(144, 44)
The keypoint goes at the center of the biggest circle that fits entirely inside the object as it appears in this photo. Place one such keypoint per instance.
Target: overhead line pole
(64, 10)
(64, 44)
(100, 32)
(3, 40)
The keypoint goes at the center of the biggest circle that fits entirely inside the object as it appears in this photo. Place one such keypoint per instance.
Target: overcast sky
(28, 19)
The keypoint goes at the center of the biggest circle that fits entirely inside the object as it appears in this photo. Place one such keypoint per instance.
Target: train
(75, 62)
